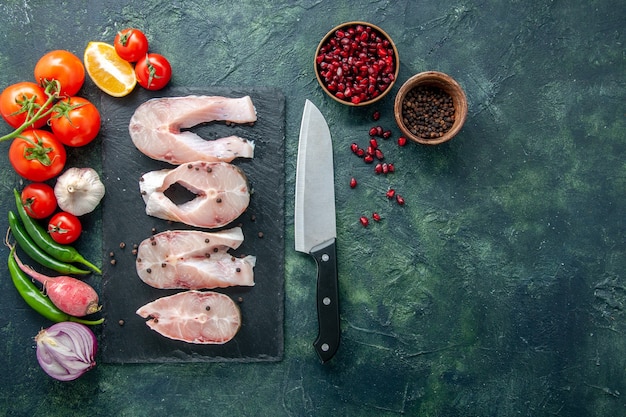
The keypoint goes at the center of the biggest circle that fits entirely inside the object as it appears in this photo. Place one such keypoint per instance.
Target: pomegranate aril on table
(364, 221)
(353, 182)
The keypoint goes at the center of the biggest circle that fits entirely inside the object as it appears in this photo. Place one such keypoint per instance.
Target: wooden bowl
(362, 98)
(442, 83)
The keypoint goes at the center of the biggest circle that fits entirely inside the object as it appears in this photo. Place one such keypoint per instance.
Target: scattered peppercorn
(260, 235)
(113, 261)
(120, 322)
(122, 245)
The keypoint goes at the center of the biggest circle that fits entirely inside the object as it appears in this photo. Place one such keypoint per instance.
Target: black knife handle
(329, 334)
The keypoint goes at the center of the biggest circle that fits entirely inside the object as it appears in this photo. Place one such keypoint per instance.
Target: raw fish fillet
(155, 128)
(221, 193)
(193, 259)
(202, 317)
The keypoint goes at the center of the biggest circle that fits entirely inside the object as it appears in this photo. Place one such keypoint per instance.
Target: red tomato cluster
(153, 71)
(35, 153)
(40, 203)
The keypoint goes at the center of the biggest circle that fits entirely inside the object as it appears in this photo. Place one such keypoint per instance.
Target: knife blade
(315, 225)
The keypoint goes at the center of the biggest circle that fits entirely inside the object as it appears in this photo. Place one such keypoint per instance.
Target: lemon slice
(108, 71)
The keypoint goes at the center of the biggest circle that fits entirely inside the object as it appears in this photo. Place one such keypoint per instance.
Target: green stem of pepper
(36, 299)
(36, 253)
(42, 238)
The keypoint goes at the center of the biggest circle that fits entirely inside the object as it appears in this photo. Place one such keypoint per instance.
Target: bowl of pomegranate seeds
(356, 63)
(430, 108)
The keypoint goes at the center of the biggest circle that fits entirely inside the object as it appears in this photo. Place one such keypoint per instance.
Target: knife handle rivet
(326, 301)
(325, 257)
(325, 347)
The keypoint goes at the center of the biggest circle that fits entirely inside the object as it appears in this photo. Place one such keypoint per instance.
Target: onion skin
(66, 350)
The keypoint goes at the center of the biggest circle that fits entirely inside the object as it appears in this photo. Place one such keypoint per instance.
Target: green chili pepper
(36, 299)
(42, 238)
(24, 241)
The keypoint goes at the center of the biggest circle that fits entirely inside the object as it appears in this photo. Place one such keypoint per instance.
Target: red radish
(70, 295)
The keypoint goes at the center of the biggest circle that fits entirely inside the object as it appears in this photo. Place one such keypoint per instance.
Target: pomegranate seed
(354, 52)
(373, 131)
(379, 154)
(364, 221)
(401, 141)
(368, 159)
(376, 115)
(391, 168)
(390, 193)
(387, 134)
(379, 131)
(360, 153)
(353, 182)
(354, 147)
(374, 143)
(371, 150)
(400, 199)
(385, 168)
(378, 168)
(376, 216)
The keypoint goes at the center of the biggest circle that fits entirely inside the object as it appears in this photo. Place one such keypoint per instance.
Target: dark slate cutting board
(126, 338)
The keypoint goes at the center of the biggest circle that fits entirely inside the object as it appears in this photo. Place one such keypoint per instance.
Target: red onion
(66, 350)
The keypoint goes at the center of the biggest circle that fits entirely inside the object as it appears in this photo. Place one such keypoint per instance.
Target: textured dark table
(497, 290)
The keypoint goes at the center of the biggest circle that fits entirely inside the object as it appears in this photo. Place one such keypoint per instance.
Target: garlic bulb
(79, 191)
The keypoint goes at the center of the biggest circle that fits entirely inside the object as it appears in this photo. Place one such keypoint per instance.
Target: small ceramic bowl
(434, 86)
(344, 42)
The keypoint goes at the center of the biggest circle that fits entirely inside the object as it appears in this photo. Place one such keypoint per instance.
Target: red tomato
(37, 155)
(75, 121)
(153, 72)
(131, 44)
(64, 228)
(39, 200)
(20, 99)
(63, 66)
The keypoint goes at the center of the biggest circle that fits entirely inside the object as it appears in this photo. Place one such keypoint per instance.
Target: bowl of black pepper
(430, 108)
(356, 63)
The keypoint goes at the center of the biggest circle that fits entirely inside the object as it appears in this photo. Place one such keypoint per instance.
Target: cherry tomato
(153, 72)
(75, 121)
(20, 99)
(39, 200)
(63, 66)
(64, 228)
(37, 155)
(131, 44)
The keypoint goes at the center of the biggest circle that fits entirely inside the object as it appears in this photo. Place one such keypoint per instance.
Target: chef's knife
(314, 222)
